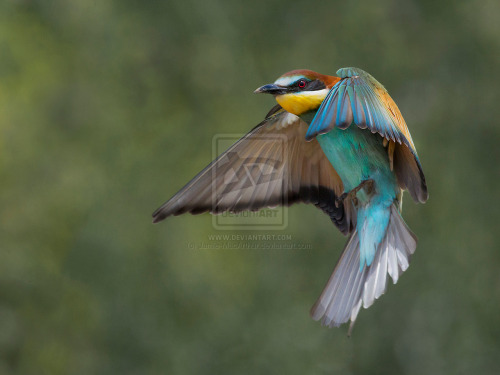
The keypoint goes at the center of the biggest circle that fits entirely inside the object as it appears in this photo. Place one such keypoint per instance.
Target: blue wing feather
(326, 115)
(356, 99)
(344, 110)
(360, 99)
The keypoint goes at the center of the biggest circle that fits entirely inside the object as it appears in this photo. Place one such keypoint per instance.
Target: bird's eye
(302, 83)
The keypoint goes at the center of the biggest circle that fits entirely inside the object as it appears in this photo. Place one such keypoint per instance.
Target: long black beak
(271, 89)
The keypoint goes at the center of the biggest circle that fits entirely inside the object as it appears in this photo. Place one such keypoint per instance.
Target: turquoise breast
(358, 155)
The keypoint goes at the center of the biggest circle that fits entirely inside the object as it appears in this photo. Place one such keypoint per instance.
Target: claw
(368, 185)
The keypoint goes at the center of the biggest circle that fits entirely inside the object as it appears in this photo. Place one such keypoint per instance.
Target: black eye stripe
(301, 83)
(309, 85)
(315, 85)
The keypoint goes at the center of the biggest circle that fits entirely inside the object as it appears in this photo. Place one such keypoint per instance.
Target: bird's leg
(368, 185)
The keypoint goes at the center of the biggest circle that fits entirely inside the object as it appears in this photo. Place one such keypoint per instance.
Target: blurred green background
(108, 107)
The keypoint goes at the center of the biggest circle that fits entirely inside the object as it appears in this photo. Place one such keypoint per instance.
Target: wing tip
(310, 136)
(157, 217)
(424, 193)
(164, 211)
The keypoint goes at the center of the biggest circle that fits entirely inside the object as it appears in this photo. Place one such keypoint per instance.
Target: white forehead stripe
(286, 81)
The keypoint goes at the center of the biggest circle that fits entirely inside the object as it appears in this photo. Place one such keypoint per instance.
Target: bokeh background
(108, 107)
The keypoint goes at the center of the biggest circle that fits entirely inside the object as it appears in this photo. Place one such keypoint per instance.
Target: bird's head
(300, 91)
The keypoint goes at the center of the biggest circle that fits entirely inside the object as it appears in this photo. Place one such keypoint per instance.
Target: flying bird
(348, 151)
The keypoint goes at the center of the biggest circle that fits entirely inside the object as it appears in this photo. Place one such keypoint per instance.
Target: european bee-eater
(349, 152)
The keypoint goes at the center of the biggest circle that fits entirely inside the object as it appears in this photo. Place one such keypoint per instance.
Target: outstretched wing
(361, 99)
(271, 165)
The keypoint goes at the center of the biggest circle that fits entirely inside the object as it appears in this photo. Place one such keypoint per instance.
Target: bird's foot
(368, 185)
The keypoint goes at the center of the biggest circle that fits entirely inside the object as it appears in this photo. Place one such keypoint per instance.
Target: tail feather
(349, 287)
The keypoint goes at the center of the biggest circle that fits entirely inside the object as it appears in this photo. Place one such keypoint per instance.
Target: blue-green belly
(358, 155)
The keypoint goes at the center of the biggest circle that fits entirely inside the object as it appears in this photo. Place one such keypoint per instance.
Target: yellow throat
(301, 102)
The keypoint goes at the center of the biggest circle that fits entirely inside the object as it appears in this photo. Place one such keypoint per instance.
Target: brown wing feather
(271, 165)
